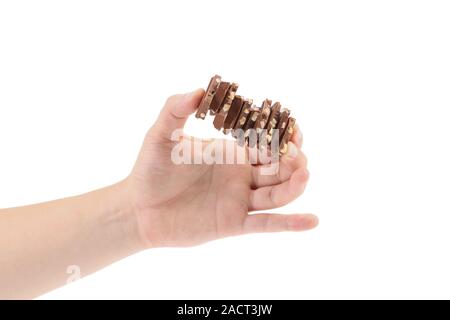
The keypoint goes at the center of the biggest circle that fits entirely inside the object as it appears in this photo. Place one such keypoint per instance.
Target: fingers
(279, 189)
(262, 156)
(267, 175)
(271, 222)
(263, 176)
(297, 137)
(175, 112)
(270, 197)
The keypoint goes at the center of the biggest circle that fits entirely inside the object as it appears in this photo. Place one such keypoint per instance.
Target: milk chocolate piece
(240, 122)
(264, 115)
(231, 93)
(261, 122)
(249, 128)
(207, 98)
(238, 131)
(273, 121)
(233, 113)
(219, 118)
(287, 134)
(223, 110)
(281, 125)
(218, 98)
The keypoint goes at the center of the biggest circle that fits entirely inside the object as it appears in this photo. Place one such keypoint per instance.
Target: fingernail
(313, 222)
(292, 150)
(302, 222)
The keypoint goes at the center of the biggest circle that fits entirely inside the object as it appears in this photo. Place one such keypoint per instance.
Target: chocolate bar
(281, 126)
(261, 123)
(273, 121)
(238, 131)
(207, 98)
(282, 123)
(287, 134)
(219, 119)
(264, 115)
(249, 128)
(233, 113)
(243, 115)
(218, 98)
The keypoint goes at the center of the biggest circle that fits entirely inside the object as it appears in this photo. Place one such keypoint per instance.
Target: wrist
(120, 220)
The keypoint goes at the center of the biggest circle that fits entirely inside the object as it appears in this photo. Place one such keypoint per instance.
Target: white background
(82, 81)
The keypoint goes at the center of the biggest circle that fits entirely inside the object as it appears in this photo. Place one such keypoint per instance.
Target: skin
(160, 204)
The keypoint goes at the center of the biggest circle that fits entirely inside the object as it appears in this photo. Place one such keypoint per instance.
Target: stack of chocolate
(251, 125)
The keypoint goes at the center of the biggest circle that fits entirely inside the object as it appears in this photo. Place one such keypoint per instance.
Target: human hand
(159, 204)
(187, 204)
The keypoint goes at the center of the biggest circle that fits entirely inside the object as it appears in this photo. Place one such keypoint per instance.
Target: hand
(185, 205)
(159, 204)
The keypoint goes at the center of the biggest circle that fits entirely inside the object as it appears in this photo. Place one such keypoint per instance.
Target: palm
(198, 202)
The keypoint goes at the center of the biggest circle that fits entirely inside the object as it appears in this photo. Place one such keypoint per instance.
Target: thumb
(176, 111)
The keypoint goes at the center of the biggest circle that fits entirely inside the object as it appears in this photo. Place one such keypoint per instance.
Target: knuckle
(303, 159)
(171, 99)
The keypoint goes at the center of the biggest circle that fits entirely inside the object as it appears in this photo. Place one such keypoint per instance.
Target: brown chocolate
(241, 120)
(273, 121)
(233, 113)
(281, 126)
(208, 96)
(249, 128)
(287, 134)
(223, 110)
(255, 126)
(218, 98)
(230, 97)
(264, 115)
(219, 118)
(282, 123)
(261, 122)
